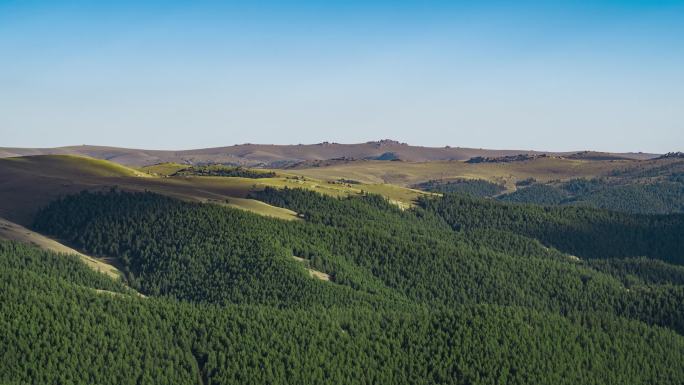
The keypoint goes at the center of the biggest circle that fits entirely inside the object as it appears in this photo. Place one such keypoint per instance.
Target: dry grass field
(410, 173)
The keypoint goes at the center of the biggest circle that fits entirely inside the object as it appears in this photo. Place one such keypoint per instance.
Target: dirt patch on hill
(313, 273)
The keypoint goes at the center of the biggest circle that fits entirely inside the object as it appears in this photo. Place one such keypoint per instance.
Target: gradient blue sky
(604, 75)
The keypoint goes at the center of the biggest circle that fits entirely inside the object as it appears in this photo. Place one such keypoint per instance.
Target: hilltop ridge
(281, 156)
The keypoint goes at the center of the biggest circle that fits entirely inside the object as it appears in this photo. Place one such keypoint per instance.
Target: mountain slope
(57, 328)
(28, 183)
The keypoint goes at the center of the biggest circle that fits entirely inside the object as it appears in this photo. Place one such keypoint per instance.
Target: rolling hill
(506, 173)
(269, 155)
(28, 183)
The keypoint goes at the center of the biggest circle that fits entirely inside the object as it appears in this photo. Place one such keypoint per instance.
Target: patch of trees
(672, 155)
(345, 181)
(226, 171)
(475, 187)
(506, 158)
(541, 194)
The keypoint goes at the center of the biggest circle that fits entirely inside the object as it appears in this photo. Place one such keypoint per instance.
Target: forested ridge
(457, 290)
(657, 190)
(585, 232)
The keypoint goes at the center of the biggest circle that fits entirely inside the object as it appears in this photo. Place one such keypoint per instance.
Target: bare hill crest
(277, 156)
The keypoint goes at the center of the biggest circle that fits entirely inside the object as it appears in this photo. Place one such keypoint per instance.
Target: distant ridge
(280, 156)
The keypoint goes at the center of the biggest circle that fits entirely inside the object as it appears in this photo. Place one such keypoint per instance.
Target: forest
(639, 189)
(584, 232)
(457, 290)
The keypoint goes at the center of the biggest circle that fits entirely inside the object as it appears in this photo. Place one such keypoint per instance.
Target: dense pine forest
(647, 198)
(458, 290)
(584, 232)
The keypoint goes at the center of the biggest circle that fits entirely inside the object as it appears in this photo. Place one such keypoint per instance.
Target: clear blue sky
(604, 75)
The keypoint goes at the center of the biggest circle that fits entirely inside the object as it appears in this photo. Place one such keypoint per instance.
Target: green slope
(56, 329)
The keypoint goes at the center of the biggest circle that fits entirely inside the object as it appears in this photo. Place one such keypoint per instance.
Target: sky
(556, 75)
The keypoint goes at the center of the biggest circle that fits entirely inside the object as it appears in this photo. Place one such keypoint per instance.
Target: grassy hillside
(70, 165)
(163, 169)
(410, 173)
(648, 186)
(32, 182)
